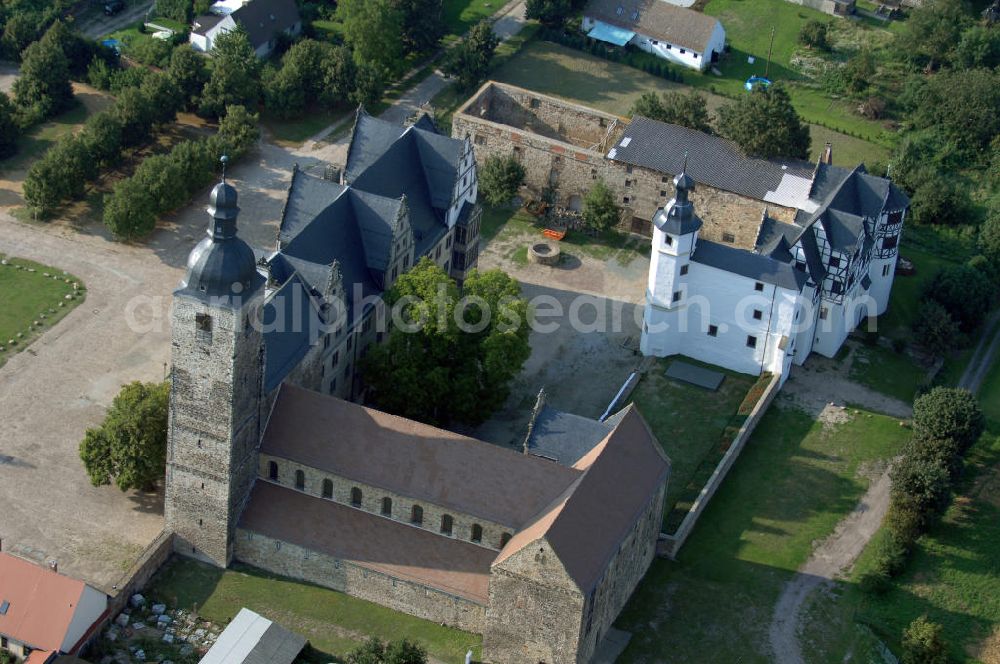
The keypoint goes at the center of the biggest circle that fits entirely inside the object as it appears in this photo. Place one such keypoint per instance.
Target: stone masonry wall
(417, 600)
(536, 610)
(623, 574)
(214, 426)
(553, 142)
(371, 501)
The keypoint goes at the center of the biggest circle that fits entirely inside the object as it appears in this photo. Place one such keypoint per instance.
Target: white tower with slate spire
(675, 236)
(215, 393)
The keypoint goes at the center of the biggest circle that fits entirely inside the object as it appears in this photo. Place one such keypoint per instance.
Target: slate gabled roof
(265, 18)
(749, 264)
(292, 324)
(713, 161)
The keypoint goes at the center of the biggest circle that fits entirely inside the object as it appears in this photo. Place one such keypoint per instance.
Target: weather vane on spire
(684, 170)
(225, 160)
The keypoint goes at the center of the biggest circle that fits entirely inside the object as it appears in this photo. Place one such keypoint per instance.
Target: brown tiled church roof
(367, 540)
(587, 523)
(412, 459)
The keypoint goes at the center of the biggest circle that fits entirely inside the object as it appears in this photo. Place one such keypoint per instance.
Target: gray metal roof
(713, 161)
(565, 437)
(222, 267)
(252, 639)
(748, 264)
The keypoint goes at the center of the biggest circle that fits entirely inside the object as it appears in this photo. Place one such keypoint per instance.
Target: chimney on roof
(827, 157)
(54, 566)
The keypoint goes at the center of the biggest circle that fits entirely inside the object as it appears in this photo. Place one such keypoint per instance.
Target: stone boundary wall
(398, 594)
(670, 544)
(134, 580)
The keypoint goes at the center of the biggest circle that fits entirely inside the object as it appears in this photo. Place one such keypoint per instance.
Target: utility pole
(767, 69)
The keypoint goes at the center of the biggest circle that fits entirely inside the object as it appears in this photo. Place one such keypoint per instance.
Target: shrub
(922, 643)
(921, 482)
(599, 209)
(814, 35)
(940, 200)
(935, 330)
(964, 292)
(500, 178)
(99, 74)
(943, 452)
(949, 413)
(905, 521)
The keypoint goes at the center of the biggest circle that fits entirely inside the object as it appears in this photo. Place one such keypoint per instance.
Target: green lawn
(333, 622)
(887, 371)
(293, 131)
(28, 297)
(794, 482)
(904, 303)
(613, 87)
(460, 15)
(690, 423)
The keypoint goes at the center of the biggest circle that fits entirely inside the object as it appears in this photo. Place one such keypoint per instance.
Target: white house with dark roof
(804, 287)
(263, 20)
(677, 34)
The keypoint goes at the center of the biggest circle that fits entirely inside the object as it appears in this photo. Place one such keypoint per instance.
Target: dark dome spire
(678, 217)
(222, 265)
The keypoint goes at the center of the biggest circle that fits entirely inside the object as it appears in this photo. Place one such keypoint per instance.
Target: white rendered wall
(89, 608)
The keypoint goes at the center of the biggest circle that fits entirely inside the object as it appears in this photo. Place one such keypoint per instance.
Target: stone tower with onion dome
(215, 393)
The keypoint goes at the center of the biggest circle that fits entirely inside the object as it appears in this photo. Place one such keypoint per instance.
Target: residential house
(263, 20)
(43, 612)
(676, 34)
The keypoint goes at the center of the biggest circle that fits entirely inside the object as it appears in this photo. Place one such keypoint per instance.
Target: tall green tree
(550, 13)
(130, 447)
(500, 178)
(423, 24)
(815, 34)
(949, 413)
(188, 73)
(469, 62)
(764, 124)
(235, 77)
(372, 29)
(449, 360)
(130, 210)
(179, 10)
(43, 88)
(961, 105)
(374, 651)
(933, 30)
(9, 130)
(600, 211)
(685, 109)
(964, 291)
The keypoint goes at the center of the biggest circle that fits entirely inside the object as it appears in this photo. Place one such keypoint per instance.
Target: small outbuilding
(44, 612)
(253, 639)
(677, 34)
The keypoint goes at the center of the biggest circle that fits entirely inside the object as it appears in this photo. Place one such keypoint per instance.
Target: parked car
(113, 7)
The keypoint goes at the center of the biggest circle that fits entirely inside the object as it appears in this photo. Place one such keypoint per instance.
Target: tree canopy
(372, 28)
(685, 109)
(423, 24)
(764, 124)
(500, 178)
(449, 360)
(43, 89)
(923, 644)
(9, 130)
(374, 651)
(130, 447)
(469, 62)
(550, 13)
(235, 77)
(948, 412)
(188, 73)
(600, 211)
(964, 292)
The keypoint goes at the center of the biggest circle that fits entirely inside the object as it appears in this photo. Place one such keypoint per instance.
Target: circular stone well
(543, 253)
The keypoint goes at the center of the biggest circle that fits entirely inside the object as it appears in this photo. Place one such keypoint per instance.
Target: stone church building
(268, 462)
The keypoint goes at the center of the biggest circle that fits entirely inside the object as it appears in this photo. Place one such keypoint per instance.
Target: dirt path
(982, 358)
(835, 555)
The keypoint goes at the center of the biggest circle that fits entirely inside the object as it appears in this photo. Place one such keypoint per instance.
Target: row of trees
(457, 364)
(23, 22)
(946, 422)
(76, 159)
(382, 33)
(165, 182)
(763, 122)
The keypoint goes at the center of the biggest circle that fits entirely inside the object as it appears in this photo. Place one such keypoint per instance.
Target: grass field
(333, 622)
(292, 132)
(689, 422)
(460, 15)
(27, 297)
(33, 143)
(887, 372)
(794, 482)
(613, 87)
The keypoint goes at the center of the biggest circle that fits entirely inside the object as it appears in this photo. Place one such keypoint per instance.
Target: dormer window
(620, 10)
